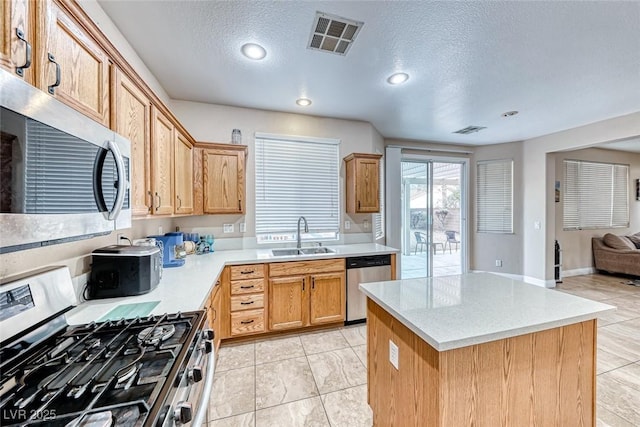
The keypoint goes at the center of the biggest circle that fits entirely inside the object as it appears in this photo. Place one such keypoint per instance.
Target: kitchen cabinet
(363, 183)
(131, 118)
(183, 175)
(214, 317)
(306, 293)
(16, 38)
(162, 140)
(223, 178)
(70, 64)
(247, 299)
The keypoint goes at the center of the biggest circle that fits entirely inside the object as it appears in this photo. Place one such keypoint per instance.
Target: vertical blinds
(294, 178)
(596, 195)
(494, 196)
(378, 219)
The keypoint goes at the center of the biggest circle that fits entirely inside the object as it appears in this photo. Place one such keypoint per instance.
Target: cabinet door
(131, 119)
(162, 136)
(183, 169)
(223, 181)
(13, 51)
(327, 303)
(215, 315)
(288, 302)
(367, 186)
(83, 66)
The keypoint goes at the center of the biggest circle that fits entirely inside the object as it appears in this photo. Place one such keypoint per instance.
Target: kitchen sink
(303, 251)
(320, 250)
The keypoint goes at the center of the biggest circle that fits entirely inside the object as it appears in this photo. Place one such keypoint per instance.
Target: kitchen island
(479, 349)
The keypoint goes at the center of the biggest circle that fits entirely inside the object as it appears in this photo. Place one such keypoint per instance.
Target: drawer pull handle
(248, 272)
(246, 322)
(247, 303)
(247, 287)
(52, 88)
(303, 285)
(27, 60)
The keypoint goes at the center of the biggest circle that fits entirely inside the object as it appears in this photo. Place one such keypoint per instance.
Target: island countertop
(461, 310)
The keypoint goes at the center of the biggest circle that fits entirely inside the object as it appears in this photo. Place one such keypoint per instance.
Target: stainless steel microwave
(64, 177)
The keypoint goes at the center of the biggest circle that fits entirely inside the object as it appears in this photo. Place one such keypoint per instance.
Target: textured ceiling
(561, 64)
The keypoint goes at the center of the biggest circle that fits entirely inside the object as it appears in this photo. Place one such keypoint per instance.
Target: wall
(538, 190)
(486, 248)
(214, 123)
(576, 244)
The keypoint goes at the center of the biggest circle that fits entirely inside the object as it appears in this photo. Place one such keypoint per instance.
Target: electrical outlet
(498, 263)
(537, 225)
(160, 231)
(347, 225)
(365, 224)
(119, 238)
(228, 228)
(243, 227)
(394, 354)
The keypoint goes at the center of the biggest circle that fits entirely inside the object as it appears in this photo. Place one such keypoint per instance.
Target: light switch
(536, 225)
(347, 225)
(243, 227)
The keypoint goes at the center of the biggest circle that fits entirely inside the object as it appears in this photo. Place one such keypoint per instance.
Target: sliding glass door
(432, 211)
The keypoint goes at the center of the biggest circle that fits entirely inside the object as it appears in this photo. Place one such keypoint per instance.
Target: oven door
(63, 177)
(189, 405)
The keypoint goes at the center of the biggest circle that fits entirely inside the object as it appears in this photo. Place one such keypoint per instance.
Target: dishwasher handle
(368, 261)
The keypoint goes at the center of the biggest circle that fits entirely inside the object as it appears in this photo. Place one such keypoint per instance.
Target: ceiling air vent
(470, 129)
(333, 34)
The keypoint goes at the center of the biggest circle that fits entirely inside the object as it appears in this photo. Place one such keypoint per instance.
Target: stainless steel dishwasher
(363, 269)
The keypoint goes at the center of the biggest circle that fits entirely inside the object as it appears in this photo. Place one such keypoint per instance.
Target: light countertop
(186, 288)
(461, 310)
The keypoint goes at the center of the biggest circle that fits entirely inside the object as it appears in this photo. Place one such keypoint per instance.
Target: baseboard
(579, 272)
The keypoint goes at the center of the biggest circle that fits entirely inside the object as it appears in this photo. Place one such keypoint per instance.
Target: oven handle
(201, 408)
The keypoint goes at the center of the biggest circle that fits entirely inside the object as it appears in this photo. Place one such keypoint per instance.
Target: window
(494, 196)
(378, 219)
(596, 195)
(297, 176)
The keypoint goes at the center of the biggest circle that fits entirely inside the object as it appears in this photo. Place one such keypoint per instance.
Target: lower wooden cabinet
(246, 299)
(313, 295)
(214, 315)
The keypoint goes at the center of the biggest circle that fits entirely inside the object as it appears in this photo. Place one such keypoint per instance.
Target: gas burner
(153, 336)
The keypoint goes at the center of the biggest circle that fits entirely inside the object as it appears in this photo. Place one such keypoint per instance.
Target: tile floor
(319, 379)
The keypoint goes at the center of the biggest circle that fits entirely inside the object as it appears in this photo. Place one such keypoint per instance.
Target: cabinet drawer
(247, 302)
(247, 322)
(251, 271)
(305, 267)
(247, 286)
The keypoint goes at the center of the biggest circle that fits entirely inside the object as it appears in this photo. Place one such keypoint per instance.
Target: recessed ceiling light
(303, 102)
(253, 51)
(509, 113)
(397, 78)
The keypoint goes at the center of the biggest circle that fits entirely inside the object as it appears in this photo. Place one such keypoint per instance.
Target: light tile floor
(319, 379)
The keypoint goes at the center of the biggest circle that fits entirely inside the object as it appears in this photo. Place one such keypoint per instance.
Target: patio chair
(451, 238)
(421, 241)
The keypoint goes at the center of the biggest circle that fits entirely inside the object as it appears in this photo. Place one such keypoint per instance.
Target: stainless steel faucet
(306, 230)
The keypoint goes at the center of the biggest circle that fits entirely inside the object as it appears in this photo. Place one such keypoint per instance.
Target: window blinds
(296, 177)
(378, 219)
(596, 195)
(494, 196)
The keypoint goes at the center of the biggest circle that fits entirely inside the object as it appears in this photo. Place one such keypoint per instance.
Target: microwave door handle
(98, 194)
(122, 181)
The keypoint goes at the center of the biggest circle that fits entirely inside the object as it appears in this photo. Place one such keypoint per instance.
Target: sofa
(617, 254)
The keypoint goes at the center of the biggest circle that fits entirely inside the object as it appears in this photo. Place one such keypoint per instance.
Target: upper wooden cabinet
(183, 175)
(70, 64)
(131, 115)
(16, 38)
(222, 174)
(363, 183)
(162, 152)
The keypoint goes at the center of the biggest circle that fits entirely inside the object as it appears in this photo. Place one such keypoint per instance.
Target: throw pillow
(617, 242)
(635, 239)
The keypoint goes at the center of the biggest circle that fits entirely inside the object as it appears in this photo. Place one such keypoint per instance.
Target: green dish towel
(130, 311)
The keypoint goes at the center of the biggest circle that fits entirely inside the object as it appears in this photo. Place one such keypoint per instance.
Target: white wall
(576, 244)
(539, 178)
(214, 123)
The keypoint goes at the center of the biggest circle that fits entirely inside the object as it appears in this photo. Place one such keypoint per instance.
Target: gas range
(149, 371)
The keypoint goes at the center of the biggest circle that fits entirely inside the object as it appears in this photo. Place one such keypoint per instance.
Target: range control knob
(183, 413)
(207, 334)
(206, 346)
(195, 374)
